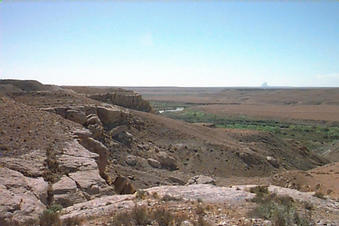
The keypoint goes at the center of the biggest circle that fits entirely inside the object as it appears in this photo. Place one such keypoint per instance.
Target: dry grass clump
(51, 216)
(72, 222)
(141, 215)
(162, 216)
(280, 210)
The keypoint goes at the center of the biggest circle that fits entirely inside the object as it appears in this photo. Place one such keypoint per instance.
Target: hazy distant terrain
(283, 103)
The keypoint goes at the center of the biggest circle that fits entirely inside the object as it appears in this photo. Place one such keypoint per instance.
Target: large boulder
(167, 161)
(111, 116)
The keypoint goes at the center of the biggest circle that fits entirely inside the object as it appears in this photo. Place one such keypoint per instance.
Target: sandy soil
(284, 112)
(301, 104)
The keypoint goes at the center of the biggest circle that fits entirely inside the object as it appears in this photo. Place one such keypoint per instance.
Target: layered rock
(128, 99)
(83, 169)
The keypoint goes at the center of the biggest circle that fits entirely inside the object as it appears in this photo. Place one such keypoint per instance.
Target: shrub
(260, 192)
(50, 216)
(140, 215)
(280, 210)
(71, 222)
(141, 194)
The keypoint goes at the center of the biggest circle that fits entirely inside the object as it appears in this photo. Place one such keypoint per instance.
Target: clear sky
(166, 43)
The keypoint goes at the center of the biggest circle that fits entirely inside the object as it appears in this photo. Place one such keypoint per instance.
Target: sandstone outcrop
(111, 115)
(66, 192)
(84, 168)
(76, 116)
(128, 99)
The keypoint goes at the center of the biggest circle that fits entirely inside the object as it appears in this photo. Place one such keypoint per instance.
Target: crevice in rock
(52, 171)
(97, 147)
(81, 190)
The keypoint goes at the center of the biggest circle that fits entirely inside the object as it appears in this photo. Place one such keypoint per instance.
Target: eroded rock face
(128, 99)
(76, 116)
(66, 192)
(90, 183)
(111, 116)
(20, 197)
(96, 147)
(83, 167)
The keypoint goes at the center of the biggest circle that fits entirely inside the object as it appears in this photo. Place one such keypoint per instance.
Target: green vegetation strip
(311, 135)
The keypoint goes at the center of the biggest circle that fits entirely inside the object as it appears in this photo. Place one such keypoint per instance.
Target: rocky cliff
(128, 99)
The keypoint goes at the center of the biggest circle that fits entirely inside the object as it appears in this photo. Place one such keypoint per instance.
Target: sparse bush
(140, 215)
(308, 205)
(50, 216)
(202, 222)
(122, 219)
(280, 210)
(72, 222)
(141, 194)
(260, 192)
(200, 210)
(155, 195)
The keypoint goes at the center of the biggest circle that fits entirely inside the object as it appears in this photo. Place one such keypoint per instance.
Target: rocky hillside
(115, 96)
(59, 147)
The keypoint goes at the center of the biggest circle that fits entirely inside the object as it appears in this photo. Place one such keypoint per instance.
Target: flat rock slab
(29, 164)
(19, 197)
(236, 195)
(206, 192)
(103, 206)
(90, 182)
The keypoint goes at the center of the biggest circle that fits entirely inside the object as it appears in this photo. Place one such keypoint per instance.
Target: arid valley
(76, 155)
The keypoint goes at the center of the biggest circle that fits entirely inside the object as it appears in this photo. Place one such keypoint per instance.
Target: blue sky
(180, 43)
